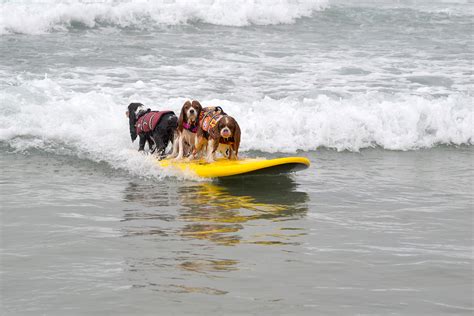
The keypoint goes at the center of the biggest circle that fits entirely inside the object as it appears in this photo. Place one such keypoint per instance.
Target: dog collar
(227, 141)
(192, 128)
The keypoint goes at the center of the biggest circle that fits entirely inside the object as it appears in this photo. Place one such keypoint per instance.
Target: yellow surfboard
(223, 167)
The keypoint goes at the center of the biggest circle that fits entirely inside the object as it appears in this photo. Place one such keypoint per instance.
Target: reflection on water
(191, 224)
(150, 202)
(218, 211)
(209, 265)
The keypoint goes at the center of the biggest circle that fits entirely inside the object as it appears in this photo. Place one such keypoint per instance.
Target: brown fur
(183, 117)
(216, 140)
(186, 139)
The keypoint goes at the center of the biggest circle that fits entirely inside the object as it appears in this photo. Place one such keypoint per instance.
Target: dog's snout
(225, 132)
(191, 111)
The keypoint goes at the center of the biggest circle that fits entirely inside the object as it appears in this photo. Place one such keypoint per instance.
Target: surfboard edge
(247, 166)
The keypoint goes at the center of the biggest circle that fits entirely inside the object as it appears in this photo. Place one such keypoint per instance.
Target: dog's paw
(190, 158)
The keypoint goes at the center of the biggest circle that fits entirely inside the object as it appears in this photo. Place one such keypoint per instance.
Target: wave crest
(397, 122)
(94, 121)
(42, 17)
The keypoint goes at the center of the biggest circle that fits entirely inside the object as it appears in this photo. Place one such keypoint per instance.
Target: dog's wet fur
(158, 139)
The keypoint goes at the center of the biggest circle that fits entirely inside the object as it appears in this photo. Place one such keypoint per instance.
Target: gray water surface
(375, 232)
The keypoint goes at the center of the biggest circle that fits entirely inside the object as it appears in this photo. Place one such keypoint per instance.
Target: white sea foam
(42, 114)
(35, 17)
(402, 122)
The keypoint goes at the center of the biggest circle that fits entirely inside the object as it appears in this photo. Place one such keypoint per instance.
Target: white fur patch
(140, 108)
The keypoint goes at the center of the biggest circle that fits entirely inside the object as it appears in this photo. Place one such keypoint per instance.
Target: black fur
(159, 138)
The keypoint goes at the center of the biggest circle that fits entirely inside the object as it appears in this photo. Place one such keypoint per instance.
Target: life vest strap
(190, 127)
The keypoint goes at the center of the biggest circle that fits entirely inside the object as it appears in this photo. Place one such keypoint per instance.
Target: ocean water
(377, 94)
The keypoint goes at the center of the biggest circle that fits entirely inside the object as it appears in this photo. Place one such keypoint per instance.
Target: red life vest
(147, 122)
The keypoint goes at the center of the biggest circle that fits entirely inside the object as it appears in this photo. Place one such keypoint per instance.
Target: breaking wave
(36, 17)
(40, 114)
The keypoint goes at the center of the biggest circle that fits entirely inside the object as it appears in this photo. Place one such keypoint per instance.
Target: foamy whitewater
(297, 75)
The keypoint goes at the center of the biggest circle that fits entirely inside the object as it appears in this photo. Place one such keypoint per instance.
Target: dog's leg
(175, 144)
(211, 150)
(172, 134)
(162, 136)
(200, 145)
(188, 150)
(214, 147)
(233, 155)
(142, 142)
(197, 147)
(204, 148)
(224, 150)
(151, 143)
(160, 145)
(209, 155)
(180, 147)
(188, 145)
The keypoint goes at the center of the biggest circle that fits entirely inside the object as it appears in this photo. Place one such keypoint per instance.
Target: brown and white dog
(217, 131)
(198, 127)
(188, 124)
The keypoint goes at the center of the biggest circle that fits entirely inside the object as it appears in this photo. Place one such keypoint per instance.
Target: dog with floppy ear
(157, 128)
(220, 132)
(225, 137)
(188, 124)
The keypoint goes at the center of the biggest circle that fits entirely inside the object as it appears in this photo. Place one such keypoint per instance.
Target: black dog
(157, 128)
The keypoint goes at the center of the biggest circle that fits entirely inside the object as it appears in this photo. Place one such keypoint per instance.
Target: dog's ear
(131, 121)
(182, 116)
(219, 110)
(198, 105)
(133, 134)
(236, 134)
